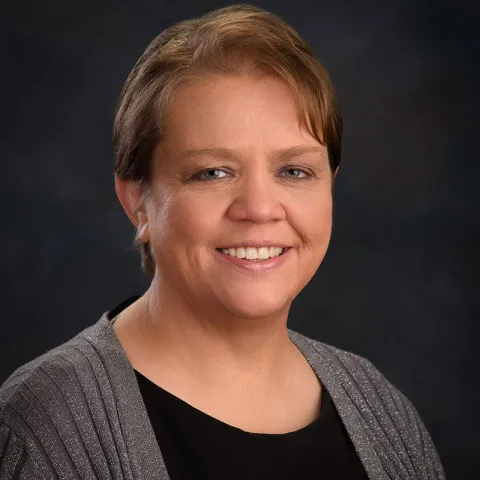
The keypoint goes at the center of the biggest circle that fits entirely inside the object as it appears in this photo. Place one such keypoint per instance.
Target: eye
(292, 169)
(204, 174)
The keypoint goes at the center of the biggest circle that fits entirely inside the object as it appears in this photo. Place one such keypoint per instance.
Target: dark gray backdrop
(399, 282)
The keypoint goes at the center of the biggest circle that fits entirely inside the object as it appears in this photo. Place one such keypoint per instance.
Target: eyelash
(196, 176)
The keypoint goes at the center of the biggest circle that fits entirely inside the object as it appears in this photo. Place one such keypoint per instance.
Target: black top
(197, 446)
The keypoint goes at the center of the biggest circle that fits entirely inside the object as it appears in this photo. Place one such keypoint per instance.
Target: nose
(256, 199)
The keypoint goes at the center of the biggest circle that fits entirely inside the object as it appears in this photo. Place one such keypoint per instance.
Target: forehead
(234, 110)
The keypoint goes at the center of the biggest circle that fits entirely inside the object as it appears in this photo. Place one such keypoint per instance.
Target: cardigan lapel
(144, 456)
(347, 399)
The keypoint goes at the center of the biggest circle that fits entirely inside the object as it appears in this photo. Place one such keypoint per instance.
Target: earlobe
(130, 196)
(143, 232)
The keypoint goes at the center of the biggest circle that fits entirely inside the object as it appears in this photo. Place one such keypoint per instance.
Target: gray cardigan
(76, 412)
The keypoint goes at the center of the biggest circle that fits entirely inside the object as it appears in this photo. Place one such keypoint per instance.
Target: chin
(258, 307)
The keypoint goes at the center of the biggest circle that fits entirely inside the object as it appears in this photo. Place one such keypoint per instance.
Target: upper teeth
(251, 253)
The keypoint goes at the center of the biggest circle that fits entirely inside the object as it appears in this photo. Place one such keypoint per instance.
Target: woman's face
(242, 190)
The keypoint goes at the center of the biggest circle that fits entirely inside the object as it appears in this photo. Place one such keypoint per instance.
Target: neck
(159, 331)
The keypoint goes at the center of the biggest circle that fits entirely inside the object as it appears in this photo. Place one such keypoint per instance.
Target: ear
(130, 196)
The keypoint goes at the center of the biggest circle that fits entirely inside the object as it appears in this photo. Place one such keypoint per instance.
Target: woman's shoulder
(354, 372)
(40, 400)
(357, 385)
(36, 384)
(59, 408)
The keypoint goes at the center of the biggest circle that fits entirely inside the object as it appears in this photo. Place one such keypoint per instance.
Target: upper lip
(256, 244)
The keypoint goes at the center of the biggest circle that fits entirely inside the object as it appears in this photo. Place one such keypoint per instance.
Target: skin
(205, 325)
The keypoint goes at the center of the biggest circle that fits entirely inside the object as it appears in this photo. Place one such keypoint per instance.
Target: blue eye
(296, 170)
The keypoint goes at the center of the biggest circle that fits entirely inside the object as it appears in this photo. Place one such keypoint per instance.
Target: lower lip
(260, 266)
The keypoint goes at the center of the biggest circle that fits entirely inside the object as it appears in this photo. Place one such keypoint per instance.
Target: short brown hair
(238, 39)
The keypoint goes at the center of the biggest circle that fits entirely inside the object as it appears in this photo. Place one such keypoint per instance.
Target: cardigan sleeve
(418, 442)
(431, 459)
(16, 462)
(22, 455)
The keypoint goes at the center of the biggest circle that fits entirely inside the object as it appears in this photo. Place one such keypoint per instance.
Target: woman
(227, 142)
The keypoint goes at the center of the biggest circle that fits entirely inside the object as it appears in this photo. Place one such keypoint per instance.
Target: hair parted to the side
(239, 40)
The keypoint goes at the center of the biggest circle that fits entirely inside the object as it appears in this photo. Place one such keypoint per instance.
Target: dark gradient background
(399, 283)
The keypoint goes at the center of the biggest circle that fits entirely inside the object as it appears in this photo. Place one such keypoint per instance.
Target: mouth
(254, 266)
(254, 254)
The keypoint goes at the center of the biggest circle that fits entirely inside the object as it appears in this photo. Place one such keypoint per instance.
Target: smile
(252, 253)
(254, 265)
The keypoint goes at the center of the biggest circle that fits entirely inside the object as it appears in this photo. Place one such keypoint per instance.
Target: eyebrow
(284, 154)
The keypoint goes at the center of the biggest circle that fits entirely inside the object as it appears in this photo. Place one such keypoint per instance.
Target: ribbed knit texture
(76, 412)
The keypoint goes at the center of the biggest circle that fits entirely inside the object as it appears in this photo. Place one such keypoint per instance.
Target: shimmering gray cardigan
(76, 412)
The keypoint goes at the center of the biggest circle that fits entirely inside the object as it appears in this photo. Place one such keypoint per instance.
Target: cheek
(190, 220)
(313, 220)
